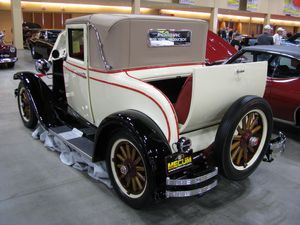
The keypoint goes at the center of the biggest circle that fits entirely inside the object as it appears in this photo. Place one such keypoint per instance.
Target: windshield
(60, 45)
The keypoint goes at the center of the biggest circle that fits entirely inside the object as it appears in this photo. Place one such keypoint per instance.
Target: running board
(73, 138)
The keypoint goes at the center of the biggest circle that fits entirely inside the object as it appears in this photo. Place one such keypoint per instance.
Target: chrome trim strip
(69, 144)
(295, 115)
(292, 123)
(197, 180)
(180, 194)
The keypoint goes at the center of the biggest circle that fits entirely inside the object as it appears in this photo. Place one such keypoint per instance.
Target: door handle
(240, 71)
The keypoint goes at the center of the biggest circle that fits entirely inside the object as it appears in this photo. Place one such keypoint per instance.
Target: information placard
(169, 37)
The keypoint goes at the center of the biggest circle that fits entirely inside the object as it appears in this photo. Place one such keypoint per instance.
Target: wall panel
(48, 20)
(6, 25)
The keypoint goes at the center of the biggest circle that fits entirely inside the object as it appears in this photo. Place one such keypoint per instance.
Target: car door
(257, 56)
(285, 87)
(76, 74)
(215, 88)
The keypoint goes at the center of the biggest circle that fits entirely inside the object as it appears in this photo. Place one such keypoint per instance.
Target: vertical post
(243, 5)
(17, 19)
(249, 26)
(213, 22)
(135, 6)
(267, 19)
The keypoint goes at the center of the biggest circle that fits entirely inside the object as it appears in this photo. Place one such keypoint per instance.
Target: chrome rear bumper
(185, 187)
(276, 146)
(8, 60)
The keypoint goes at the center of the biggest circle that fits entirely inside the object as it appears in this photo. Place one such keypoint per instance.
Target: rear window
(76, 44)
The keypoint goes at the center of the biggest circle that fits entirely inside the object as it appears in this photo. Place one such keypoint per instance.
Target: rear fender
(40, 97)
(152, 141)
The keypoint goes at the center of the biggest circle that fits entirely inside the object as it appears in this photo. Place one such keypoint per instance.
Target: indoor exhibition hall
(149, 112)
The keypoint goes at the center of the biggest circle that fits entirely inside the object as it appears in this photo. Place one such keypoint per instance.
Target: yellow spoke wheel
(243, 137)
(25, 107)
(129, 170)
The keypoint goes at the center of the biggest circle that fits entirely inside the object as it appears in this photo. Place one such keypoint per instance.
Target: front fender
(40, 97)
(152, 141)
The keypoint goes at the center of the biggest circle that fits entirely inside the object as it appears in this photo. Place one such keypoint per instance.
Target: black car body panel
(150, 137)
(39, 93)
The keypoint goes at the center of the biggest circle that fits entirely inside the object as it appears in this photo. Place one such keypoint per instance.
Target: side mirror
(42, 66)
(55, 54)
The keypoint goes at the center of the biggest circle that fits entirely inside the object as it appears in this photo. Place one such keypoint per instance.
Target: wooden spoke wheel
(128, 168)
(243, 137)
(248, 139)
(24, 104)
(25, 107)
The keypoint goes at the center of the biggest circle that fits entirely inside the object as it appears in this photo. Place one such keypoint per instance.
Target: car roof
(131, 34)
(108, 20)
(278, 49)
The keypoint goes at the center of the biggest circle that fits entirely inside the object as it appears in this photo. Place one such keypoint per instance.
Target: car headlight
(12, 49)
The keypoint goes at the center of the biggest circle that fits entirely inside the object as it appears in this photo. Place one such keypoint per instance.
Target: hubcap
(253, 141)
(124, 170)
(128, 168)
(247, 143)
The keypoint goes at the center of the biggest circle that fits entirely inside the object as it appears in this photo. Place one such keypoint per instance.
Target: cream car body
(96, 93)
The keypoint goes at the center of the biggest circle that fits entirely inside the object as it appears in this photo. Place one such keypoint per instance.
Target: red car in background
(283, 82)
(217, 49)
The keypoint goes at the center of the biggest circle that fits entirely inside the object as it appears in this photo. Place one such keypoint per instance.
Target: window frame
(85, 44)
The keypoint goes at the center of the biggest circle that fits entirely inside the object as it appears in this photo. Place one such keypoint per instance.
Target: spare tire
(243, 137)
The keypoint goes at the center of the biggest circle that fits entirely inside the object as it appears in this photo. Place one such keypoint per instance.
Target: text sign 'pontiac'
(165, 37)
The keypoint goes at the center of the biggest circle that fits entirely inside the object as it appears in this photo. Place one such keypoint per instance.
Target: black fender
(40, 96)
(152, 140)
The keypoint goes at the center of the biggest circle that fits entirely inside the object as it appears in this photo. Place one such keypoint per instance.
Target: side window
(259, 57)
(286, 67)
(252, 57)
(244, 58)
(76, 43)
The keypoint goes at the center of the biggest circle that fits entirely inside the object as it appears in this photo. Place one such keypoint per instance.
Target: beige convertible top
(125, 40)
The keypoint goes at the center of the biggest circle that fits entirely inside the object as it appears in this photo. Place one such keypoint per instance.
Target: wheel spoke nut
(253, 141)
(124, 170)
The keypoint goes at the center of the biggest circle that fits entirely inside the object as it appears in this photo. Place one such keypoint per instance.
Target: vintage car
(29, 29)
(134, 90)
(292, 41)
(248, 41)
(42, 42)
(8, 53)
(283, 82)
